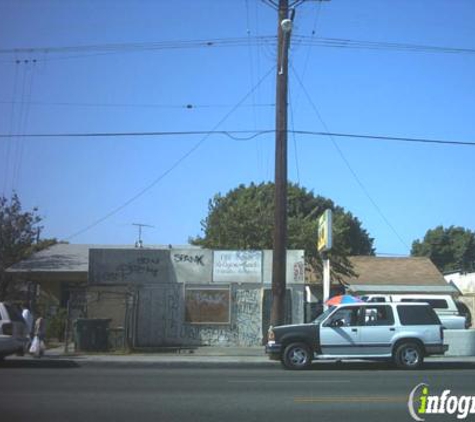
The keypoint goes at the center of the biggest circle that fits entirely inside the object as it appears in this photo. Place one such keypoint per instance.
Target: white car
(13, 335)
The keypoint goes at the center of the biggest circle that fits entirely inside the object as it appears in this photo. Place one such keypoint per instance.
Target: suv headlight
(270, 334)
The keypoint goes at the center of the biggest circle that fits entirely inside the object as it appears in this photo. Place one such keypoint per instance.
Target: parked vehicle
(404, 333)
(464, 310)
(444, 305)
(13, 335)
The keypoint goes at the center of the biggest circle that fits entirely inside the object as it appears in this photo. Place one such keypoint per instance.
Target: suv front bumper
(274, 350)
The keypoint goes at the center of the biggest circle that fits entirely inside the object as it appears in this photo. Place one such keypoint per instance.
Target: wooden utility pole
(279, 262)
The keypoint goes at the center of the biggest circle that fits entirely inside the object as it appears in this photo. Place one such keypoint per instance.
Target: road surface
(63, 391)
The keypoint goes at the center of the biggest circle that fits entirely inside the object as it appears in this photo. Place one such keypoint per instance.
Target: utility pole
(279, 261)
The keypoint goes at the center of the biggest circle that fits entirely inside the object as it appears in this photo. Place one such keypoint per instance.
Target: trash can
(91, 335)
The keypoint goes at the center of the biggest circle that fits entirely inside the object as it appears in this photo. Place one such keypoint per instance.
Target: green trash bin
(92, 335)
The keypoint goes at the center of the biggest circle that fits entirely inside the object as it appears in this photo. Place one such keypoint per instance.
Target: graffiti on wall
(207, 305)
(189, 259)
(247, 311)
(138, 267)
(123, 266)
(299, 271)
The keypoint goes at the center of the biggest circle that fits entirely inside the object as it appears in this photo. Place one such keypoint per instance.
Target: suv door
(339, 334)
(377, 329)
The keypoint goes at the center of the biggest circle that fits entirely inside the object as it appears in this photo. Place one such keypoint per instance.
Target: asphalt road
(63, 391)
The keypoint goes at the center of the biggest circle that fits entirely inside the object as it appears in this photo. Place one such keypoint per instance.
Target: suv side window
(417, 315)
(348, 317)
(377, 299)
(435, 303)
(378, 315)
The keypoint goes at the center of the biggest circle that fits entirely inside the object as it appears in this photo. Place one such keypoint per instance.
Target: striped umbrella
(336, 300)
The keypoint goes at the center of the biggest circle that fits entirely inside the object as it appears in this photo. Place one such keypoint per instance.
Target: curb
(177, 364)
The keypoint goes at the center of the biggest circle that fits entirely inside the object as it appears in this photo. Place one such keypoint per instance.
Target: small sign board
(207, 305)
(325, 238)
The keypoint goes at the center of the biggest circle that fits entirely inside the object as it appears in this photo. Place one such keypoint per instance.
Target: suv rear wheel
(408, 356)
(297, 356)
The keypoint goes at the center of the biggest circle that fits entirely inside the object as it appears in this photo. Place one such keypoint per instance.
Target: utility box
(91, 335)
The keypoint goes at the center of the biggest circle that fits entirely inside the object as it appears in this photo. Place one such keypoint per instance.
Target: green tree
(244, 219)
(450, 249)
(19, 238)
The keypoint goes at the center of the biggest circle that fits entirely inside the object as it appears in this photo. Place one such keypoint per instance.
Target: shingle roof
(395, 271)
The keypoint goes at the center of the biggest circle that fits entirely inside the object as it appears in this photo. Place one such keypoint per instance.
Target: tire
(297, 356)
(408, 356)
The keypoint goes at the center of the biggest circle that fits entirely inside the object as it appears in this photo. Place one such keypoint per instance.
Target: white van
(443, 305)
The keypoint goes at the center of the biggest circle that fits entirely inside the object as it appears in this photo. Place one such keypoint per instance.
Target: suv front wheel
(297, 356)
(408, 356)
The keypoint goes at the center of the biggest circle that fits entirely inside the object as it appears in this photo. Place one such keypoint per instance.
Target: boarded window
(207, 305)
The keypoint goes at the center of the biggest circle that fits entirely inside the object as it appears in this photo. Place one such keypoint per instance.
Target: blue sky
(398, 190)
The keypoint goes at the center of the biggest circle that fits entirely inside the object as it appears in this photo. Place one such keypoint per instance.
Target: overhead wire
(20, 125)
(132, 105)
(376, 45)
(177, 163)
(25, 120)
(292, 124)
(233, 134)
(252, 75)
(10, 130)
(349, 166)
(80, 51)
(58, 53)
(294, 104)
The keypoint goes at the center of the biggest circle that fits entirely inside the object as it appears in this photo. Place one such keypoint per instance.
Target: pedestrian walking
(38, 347)
(28, 318)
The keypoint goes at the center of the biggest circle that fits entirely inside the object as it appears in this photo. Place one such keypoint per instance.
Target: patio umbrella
(336, 300)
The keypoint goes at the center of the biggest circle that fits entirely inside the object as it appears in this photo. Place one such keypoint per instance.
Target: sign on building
(237, 266)
(325, 238)
(207, 305)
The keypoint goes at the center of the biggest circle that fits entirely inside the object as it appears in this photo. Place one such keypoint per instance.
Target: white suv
(402, 332)
(444, 306)
(13, 335)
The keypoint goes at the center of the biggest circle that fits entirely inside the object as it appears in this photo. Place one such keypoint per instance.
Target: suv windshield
(321, 317)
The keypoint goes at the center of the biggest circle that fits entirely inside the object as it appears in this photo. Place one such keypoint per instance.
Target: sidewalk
(167, 358)
(208, 357)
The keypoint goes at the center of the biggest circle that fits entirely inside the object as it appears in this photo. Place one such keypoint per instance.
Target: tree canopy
(244, 219)
(19, 237)
(450, 249)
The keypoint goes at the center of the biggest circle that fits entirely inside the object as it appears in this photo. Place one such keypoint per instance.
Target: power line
(55, 53)
(377, 45)
(238, 135)
(172, 167)
(189, 106)
(292, 123)
(11, 130)
(350, 168)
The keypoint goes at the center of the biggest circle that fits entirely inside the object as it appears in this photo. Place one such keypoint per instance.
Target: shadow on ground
(44, 363)
(387, 366)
